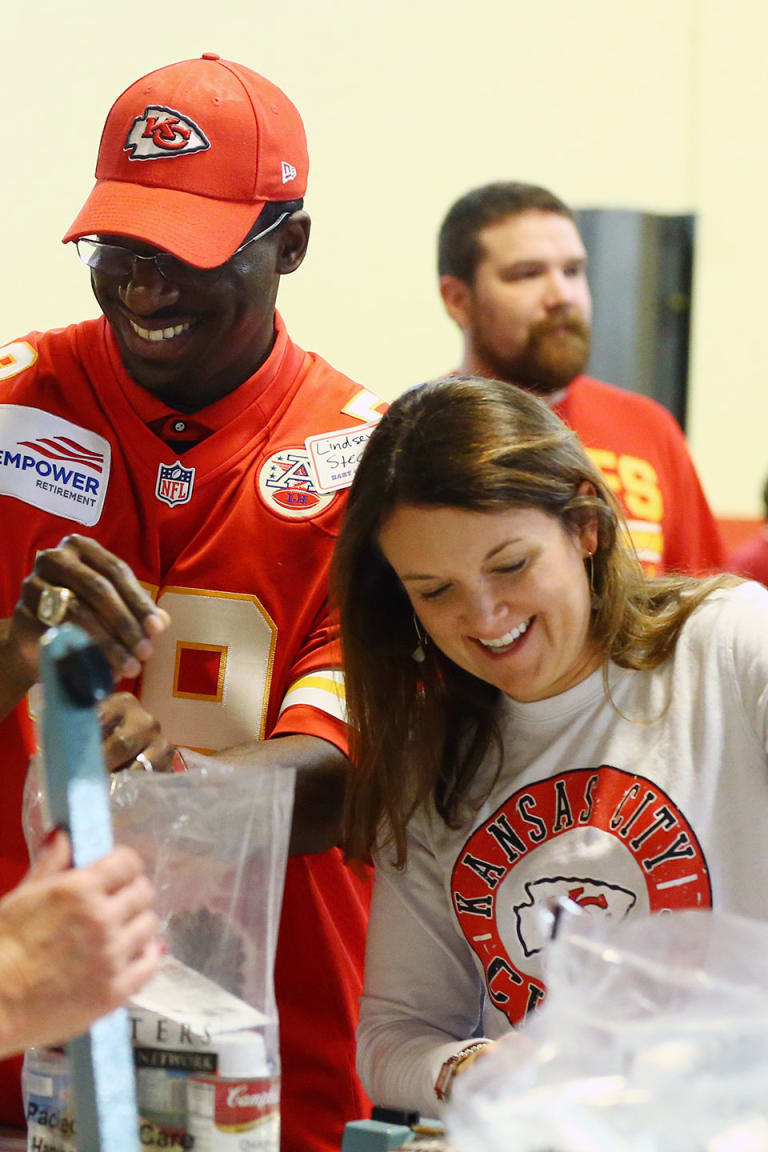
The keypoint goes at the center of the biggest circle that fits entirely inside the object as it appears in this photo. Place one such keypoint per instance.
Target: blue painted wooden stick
(75, 676)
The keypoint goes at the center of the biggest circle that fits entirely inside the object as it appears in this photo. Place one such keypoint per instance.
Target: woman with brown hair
(534, 721)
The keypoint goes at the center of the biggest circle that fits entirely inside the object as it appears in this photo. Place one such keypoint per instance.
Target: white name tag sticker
(52, 464)
(336, 455)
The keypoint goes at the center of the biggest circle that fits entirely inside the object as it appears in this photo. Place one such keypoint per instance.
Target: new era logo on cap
(163, 132)
(289, 172)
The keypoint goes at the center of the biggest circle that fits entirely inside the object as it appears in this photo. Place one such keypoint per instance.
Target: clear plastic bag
(653, 1038)
(214, 843)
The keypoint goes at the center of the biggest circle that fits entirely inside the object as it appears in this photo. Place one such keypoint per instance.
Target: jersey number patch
(210, 676)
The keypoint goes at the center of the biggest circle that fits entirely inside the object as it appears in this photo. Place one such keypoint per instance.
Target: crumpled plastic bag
(653, 1038)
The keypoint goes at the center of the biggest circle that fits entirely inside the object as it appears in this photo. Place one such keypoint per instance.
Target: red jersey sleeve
(692, 540)
(314, 702)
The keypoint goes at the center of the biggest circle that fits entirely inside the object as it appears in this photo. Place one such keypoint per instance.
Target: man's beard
(548, 362)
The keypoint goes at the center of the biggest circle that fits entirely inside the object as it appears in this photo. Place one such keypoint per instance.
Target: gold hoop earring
(419, 653)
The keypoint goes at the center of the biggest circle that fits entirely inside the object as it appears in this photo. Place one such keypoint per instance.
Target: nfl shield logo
(174, 483)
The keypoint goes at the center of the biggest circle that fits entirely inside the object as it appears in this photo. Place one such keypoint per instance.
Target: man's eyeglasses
(114, 260)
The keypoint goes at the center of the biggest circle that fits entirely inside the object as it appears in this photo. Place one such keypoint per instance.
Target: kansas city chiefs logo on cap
(162, 132)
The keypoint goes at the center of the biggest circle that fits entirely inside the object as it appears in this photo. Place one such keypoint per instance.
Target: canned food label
(242, 1114)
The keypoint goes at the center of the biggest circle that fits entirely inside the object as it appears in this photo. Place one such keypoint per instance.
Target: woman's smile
(504, 595)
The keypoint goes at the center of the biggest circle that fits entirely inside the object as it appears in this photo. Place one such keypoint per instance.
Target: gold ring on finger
(54, 603)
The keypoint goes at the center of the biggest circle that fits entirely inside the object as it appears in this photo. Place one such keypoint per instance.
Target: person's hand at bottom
(75, 943)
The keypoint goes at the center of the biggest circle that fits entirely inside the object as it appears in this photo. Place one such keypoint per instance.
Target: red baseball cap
(189, 156)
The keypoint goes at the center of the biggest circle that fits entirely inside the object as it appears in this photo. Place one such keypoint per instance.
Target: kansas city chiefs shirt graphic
(612, 842)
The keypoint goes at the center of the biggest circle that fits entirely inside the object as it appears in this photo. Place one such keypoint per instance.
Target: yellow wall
(653, 104)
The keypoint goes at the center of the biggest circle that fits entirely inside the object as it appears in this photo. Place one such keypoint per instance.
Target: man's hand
(106, 600)
(131, 737)
(75, 943)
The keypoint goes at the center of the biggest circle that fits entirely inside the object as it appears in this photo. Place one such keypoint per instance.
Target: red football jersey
(235, 541)
(641, 451)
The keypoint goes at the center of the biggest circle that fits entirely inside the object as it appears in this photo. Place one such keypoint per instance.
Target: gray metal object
(640, 274)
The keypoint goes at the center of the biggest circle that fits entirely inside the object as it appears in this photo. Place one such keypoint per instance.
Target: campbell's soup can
(239, 1108)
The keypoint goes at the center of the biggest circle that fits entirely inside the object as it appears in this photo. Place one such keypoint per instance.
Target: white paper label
(336, 455)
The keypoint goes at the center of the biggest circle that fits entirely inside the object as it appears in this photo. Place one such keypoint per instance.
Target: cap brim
(196, 229)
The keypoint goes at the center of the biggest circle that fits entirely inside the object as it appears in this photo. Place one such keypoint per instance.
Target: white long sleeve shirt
(654, 800)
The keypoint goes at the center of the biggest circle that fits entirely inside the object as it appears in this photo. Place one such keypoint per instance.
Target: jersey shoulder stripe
(323, 689)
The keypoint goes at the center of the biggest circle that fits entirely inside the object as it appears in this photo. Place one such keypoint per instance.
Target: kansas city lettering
(499, 977)
(562, 807)
(557, 808)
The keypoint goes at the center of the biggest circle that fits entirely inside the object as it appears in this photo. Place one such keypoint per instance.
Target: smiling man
(173, 443)
(513, 276)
